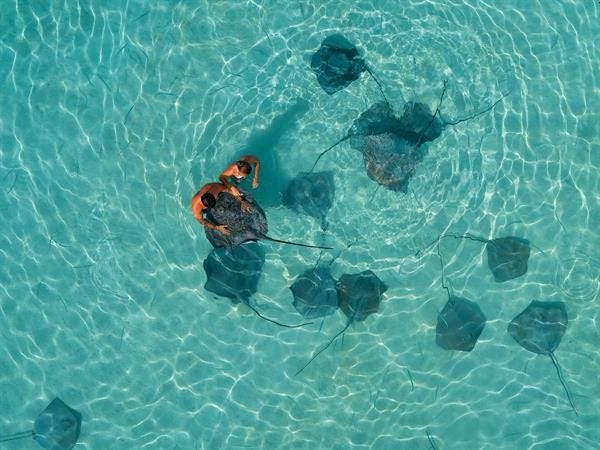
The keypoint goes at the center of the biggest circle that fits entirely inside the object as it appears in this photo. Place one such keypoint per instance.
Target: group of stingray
(539, 328)
(391, 147)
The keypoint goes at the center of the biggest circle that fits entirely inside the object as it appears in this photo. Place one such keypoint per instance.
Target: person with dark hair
(206, 198)
(239, 170)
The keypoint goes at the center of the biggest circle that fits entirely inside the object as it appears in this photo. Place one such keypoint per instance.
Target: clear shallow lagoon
(113, 116)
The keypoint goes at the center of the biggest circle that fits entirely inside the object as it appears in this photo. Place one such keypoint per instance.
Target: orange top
(234, 171)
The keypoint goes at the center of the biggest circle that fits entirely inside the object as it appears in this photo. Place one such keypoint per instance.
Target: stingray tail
(479, 113)
(378, 84)
(274, 321)
(562, 381)
(324, 348)
(437, 112)
(330, 148)
(15, 436)
(464, 236)
(295, 243)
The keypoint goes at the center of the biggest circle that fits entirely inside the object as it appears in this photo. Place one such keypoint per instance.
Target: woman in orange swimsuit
(240, 170)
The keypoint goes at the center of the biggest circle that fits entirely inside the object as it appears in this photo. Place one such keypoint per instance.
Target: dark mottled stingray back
(391, 161)
(243, 226)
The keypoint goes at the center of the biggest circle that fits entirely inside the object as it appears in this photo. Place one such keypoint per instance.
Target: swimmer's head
(244, 167)
(208, 200)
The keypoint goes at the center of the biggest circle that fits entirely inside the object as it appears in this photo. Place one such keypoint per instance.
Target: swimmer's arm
(198, 210)
(253, 160)
(222, 228)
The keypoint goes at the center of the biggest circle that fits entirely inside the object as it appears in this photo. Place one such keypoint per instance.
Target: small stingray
(56, 428)
(359, 296)
(315, 294)
(311, 194)
(337, 63)
(243, 227)
(507, 256)
(234, 272)
(459, 325)
(461, 321)
(539, 328)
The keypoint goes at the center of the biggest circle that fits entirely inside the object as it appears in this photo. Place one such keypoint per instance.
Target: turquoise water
(113, 116)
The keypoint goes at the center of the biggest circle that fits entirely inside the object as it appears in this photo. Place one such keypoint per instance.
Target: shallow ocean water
(113, 116)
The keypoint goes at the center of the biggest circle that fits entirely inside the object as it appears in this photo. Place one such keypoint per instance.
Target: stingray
(311, 194)
(337, 64)
(315, 293)
(539, 328)
(507, 256)
(391, 161)
(392, 147)
(243, 226)
(459, 324)
(234, 273)
(56, 428)
(359, 296)
(416, 126)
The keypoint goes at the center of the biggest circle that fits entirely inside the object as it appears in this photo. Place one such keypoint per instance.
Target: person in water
(206, 198)
(239, 170)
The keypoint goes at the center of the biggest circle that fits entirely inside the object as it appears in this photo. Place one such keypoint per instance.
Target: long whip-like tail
(562, 381)
(330, 148)
(295, 243)
(323, 349)
(274, 321)
(378, 83)
(15, 436)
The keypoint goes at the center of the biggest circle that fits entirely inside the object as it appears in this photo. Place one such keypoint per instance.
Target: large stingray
(416, 126)
(234, 272)
(459, 324)
(359, 296)
(311, 193)
(337, 63)
(243, 226)
(315, 293)
(56, 428)
(392, 147)
(507, 256)
(539, 328)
